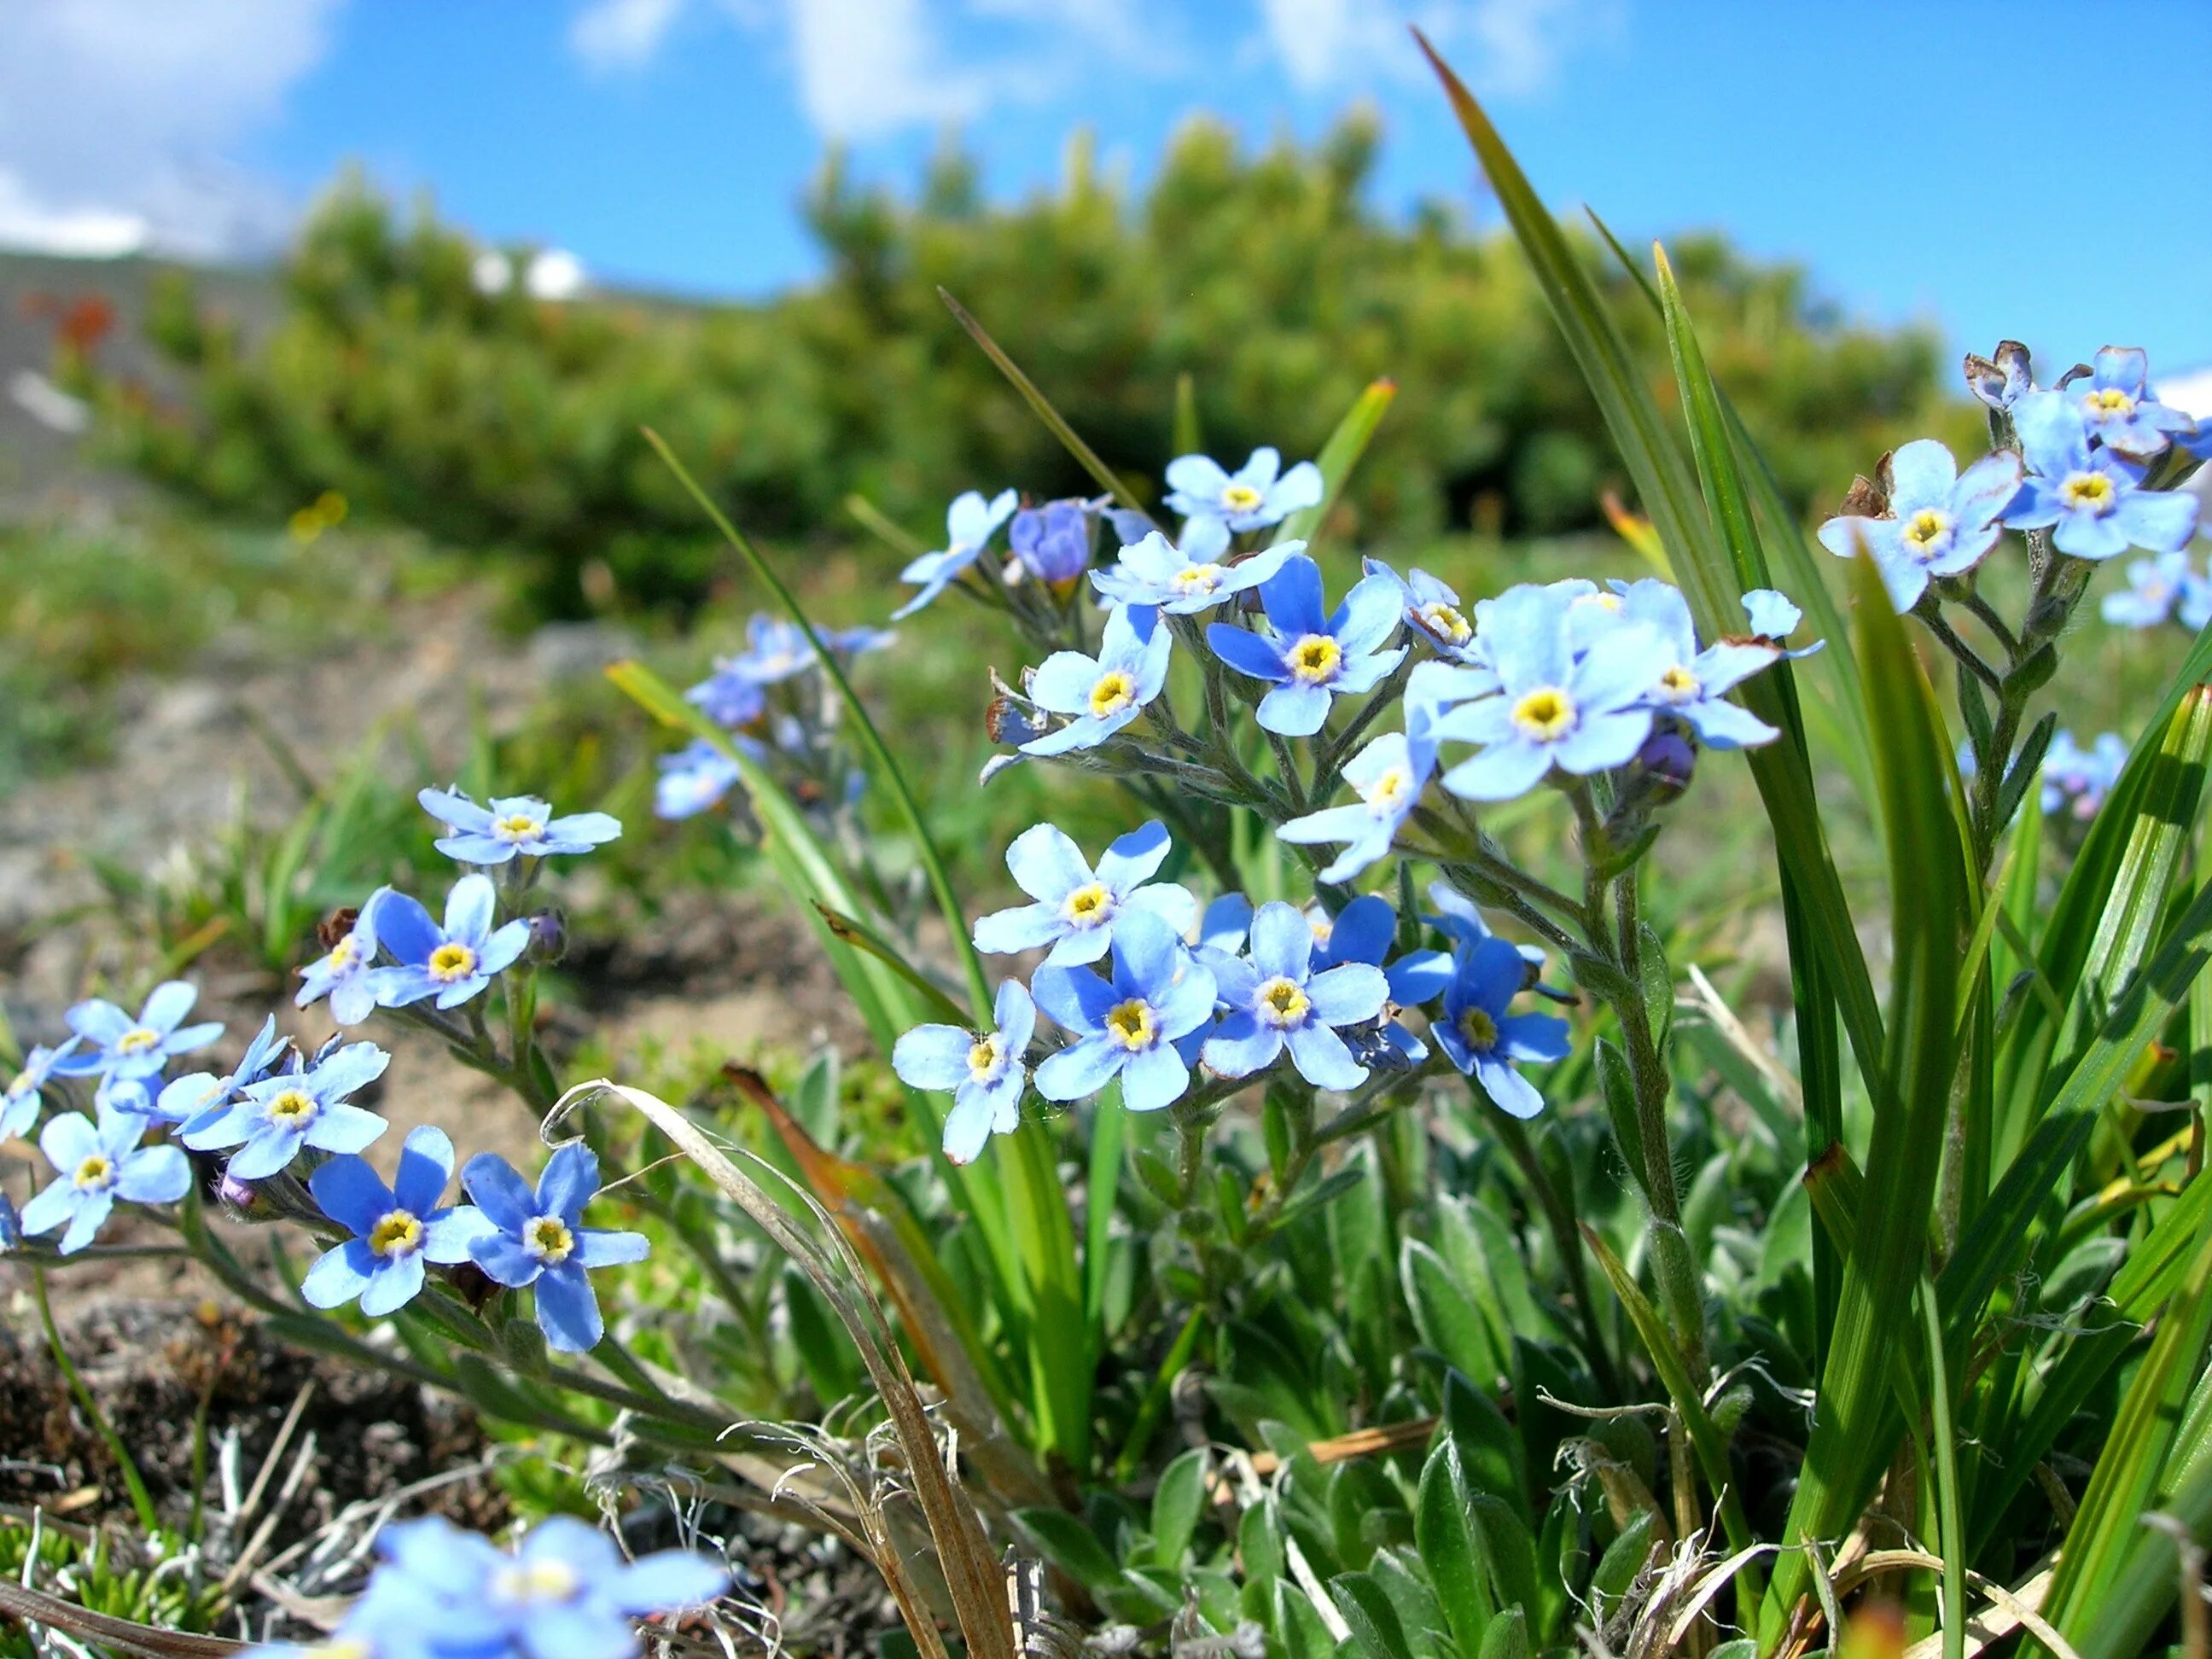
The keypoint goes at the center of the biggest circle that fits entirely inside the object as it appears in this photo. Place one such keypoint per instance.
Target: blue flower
(1312, 658)
(1940, 523)
(2004, 382)
(2091, 499)
(1101, 694)
(1144, 1026)
(1193, 577)
(19, 1103)
(969, 524)
(693, 779)
(1581, 713)
(1487, 1041)
(118, 1046)
(513, 826)
(2118, 408)
(1251, 499)
(99, 1164)
(566, 1593)
(728, 697)
(1432, 610)
(2075, 780)
(1077, 906)
(1774, 618)
(396, 1229)
(346, 972)
(272, 1120)
(855, 642)
(185, 1098)
(1053, 542)
(1389, 775)
(1366, 930)
(453, 963)
(1276, 999)
(2155, 587)
(775, 650)
(1692, 687)
(983, 1071)
(539, 1239)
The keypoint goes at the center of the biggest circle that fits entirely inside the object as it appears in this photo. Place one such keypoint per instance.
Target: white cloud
(869, 67)
(120, 111)
(622, 35)
(1506, 48)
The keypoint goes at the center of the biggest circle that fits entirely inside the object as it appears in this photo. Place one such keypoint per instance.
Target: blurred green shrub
(502, 423)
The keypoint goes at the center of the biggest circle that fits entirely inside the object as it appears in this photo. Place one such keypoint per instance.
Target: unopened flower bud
(549, 936)
(1668, 759)
(235, 1193)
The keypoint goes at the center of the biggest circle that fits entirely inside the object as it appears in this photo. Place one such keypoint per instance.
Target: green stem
(1947, 1480)
(1155, 1398)
(141, 1502)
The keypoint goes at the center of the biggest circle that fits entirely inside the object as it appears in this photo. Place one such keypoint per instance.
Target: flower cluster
(292, 1121)
(781, 711)
(567, 1593)
(2074, 780)
(2167, 588)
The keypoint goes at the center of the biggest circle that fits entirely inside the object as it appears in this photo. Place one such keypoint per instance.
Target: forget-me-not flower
(2155, 587)
(1077, 906)
(1366, 930)
(728, 697)
(1144, 1025)
(1053, 542)
(1432, 610)
(2004, 381)
(271, 1121)
(453, 963)
(183, 1098)
(344, 972)
(1941, 522)
(2118, 408)
(2090, 499)
(18, 1102)
(395, 1229)
(1103, 694)
(1251, 498)
(2074, 780)
(117, 1046)
(692, 779)
(97, 1164)
(969, 524)
(1483, 1038)
(513, 826)
(1693, 686)
(1581, 713)
(1389, 775)
(1277, 999)
(983, 1071)
(1312, 656)
(538, 1239)
(1190, 577)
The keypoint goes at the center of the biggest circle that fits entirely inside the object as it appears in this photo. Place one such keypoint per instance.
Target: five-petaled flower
(1432, 610)
(983, 1071)
(97, 1164)
(1103, 694)
(1144, 1025)
(1582, 711)
(453, 963)
(1312, 656)
(117, 1046)
(1486, 1040)
(1940, 522)
(1277, 999)
(1077, 906)
(2166, 586)
(693, 779)
(2090, 499)
(1389, 775)
(2118, 408)
(538, 1239)
(511, 827)
(18, 1102)
(271, 1121)
(183, 1098)
(969, 524)
(345, 972)
(395, 1229)
(1251, 498)
(1190, 577)
(1693, 686)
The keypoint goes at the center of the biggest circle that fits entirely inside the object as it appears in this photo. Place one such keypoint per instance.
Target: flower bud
(1669, 760)
(1999, 381)
(549, 936)
(235, 1193)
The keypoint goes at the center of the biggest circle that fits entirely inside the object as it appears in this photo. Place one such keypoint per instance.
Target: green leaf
(1490, 1454)
(1511, 1549)
(1176, 1503)
(1298, 1627)
(1447, 1321)
(1451, 1545)
(1623, 1558)
(1065, 1541)
(1507, 1637)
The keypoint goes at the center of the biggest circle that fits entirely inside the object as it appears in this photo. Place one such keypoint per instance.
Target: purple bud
(235, 1193)
(1667, 756)
(549, 936)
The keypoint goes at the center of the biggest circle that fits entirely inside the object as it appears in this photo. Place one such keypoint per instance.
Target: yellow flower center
(1283, 1002)
(452, 961)
(1602, 600)
(344, 1647)
(94, 1173)
(1446, 623)
(2088, 492)
(137, 1039)
(1679, 684)
(1089, 904)
(1925, 528)
(983, 1058)
(1113, 692)
(1241, 498)
(1323, 925)
(1545, 713)
(1131, 1025)
(1198, 578)
(1480, 1030)
(1392, 787)
(2106, 402)
(343, 953)
(548, 1238)
(292, 1106)
(397, 1232)
(517, 826)
(538, 1581)
(1315, 659)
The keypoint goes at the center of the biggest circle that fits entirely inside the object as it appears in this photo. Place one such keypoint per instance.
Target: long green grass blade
(1338, 457)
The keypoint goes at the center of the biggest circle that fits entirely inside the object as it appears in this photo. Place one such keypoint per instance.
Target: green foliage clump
(500, 421)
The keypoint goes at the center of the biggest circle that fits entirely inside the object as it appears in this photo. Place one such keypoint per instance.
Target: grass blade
(1338, 457)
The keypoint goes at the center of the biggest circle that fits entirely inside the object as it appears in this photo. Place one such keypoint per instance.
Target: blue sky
(2022, 168)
